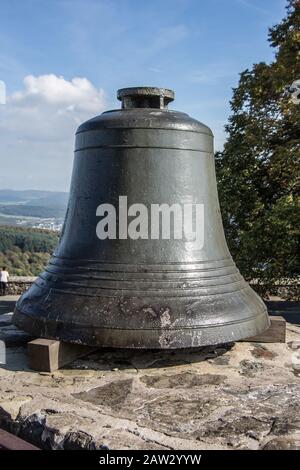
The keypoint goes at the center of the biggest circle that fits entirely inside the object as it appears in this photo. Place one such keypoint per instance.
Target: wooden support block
(47, 355)
(274, 334)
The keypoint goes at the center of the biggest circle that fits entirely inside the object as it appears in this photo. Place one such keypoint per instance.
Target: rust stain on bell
(142, 261)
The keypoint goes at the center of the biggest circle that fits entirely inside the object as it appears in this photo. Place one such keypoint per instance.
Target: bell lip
(162, 339)
(166, 93)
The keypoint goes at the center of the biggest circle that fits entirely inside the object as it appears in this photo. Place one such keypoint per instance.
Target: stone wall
(17, 284)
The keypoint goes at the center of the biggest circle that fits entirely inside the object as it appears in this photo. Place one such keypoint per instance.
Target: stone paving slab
(234, 396)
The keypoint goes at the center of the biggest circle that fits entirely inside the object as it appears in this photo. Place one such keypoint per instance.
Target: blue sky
(196, 47)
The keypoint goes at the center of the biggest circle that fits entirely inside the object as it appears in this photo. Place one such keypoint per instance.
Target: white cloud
(56, 91)
(37, 127)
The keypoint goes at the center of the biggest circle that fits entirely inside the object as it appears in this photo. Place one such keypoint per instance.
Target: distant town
(33, 209)
(34, 222)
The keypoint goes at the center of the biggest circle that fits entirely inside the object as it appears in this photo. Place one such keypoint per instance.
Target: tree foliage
(258, 170)
(24, 251)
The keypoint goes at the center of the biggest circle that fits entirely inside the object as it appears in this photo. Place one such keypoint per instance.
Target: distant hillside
(55, 200)
(34, 198)
(32, 211)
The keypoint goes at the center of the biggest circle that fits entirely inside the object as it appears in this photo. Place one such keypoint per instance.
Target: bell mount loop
(145, 97)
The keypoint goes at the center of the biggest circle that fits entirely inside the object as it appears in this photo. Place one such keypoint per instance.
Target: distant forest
(24, 251)
(31, 203)
(32, 211)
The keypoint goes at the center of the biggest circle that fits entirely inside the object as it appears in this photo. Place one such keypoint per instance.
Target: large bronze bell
(142, 260)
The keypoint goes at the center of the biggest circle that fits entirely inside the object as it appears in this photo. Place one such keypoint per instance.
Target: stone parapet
(19, 284)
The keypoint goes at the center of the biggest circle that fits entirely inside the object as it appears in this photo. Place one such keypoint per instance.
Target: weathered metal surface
(144, 293)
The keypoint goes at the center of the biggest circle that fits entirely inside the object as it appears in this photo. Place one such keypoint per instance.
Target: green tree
(258, 171)
(26, 251)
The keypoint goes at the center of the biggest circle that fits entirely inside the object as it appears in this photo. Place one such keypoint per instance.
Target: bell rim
(173, 338)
